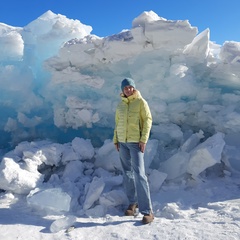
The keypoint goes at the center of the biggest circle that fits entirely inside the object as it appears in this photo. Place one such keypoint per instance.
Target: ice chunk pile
(58, 81)
(54, 183)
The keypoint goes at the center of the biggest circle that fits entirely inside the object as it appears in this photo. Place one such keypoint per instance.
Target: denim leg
(136, 157)
(128, 175)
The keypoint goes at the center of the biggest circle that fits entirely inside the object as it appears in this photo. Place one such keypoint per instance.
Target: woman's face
(128, 91)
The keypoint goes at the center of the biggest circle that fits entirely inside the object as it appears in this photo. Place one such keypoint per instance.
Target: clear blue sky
(108, 17)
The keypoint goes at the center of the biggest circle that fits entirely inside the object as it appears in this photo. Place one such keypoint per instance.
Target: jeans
(134, 177)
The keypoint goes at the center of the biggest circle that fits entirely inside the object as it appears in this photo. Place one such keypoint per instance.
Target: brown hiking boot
(147, 218)
(131, 210)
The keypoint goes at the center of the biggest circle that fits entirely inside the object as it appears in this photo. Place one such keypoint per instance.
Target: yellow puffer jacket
(133, 119)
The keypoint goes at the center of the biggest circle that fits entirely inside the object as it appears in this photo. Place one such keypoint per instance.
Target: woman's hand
(142, 146)
(116, 146)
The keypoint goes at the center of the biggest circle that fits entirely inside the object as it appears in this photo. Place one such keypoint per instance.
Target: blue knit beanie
(127, 82)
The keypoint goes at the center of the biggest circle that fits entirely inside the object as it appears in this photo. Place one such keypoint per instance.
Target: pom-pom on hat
(127, 82)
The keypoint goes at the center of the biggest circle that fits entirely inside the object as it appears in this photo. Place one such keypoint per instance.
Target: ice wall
(61, 81)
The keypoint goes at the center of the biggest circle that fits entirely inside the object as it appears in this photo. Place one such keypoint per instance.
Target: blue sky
(108, 17)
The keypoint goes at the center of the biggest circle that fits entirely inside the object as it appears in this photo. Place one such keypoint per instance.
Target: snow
(60, 175)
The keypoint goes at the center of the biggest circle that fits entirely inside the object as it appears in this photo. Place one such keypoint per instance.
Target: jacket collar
(135, 95)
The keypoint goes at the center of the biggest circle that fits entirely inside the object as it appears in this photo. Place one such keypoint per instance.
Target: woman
(133, 122)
